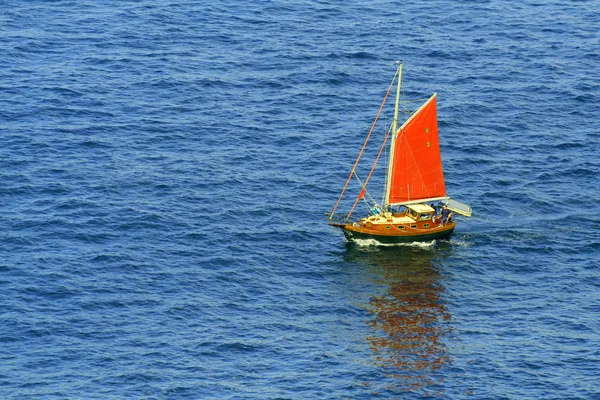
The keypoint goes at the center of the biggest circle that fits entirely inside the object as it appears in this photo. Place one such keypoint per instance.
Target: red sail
(416, 170)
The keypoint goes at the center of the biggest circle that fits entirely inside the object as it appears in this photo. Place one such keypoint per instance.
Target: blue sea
(165, 167)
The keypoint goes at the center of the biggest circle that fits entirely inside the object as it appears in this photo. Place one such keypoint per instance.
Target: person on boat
(446, 216)
(376, 210)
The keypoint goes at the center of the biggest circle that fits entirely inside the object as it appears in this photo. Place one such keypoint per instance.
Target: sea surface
(165, 167)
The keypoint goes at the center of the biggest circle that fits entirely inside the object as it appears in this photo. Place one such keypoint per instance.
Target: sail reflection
(410, 321)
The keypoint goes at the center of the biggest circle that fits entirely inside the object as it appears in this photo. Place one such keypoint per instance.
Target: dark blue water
(165, 167)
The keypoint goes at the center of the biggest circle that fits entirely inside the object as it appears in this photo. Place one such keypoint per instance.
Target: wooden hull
(385, 235)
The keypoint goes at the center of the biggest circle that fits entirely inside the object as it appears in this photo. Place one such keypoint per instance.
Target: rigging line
(364, 186)
(364, 145)
(367, 204)
(371, 172)
(363, 191)
(421, 101)
(406, 110)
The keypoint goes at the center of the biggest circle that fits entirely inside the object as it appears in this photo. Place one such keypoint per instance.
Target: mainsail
(415, 172)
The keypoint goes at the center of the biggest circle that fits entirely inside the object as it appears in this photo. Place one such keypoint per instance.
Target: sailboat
(415, 205)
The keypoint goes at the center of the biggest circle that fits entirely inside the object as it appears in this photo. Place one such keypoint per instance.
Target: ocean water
(165, 168)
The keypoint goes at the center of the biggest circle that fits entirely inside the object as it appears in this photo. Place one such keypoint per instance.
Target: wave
(373, 242)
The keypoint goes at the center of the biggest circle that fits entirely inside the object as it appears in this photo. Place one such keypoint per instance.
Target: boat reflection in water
(411, 323)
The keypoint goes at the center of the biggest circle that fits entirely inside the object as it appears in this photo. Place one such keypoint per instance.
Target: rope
(364, 146)
(363, 186)
(371, 173)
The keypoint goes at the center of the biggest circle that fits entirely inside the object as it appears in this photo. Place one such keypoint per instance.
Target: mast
(393, 141)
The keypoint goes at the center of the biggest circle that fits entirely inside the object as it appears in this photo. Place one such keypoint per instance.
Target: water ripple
(165, 168)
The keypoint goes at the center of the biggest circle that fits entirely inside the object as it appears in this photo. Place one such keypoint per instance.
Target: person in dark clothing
(446, 215)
